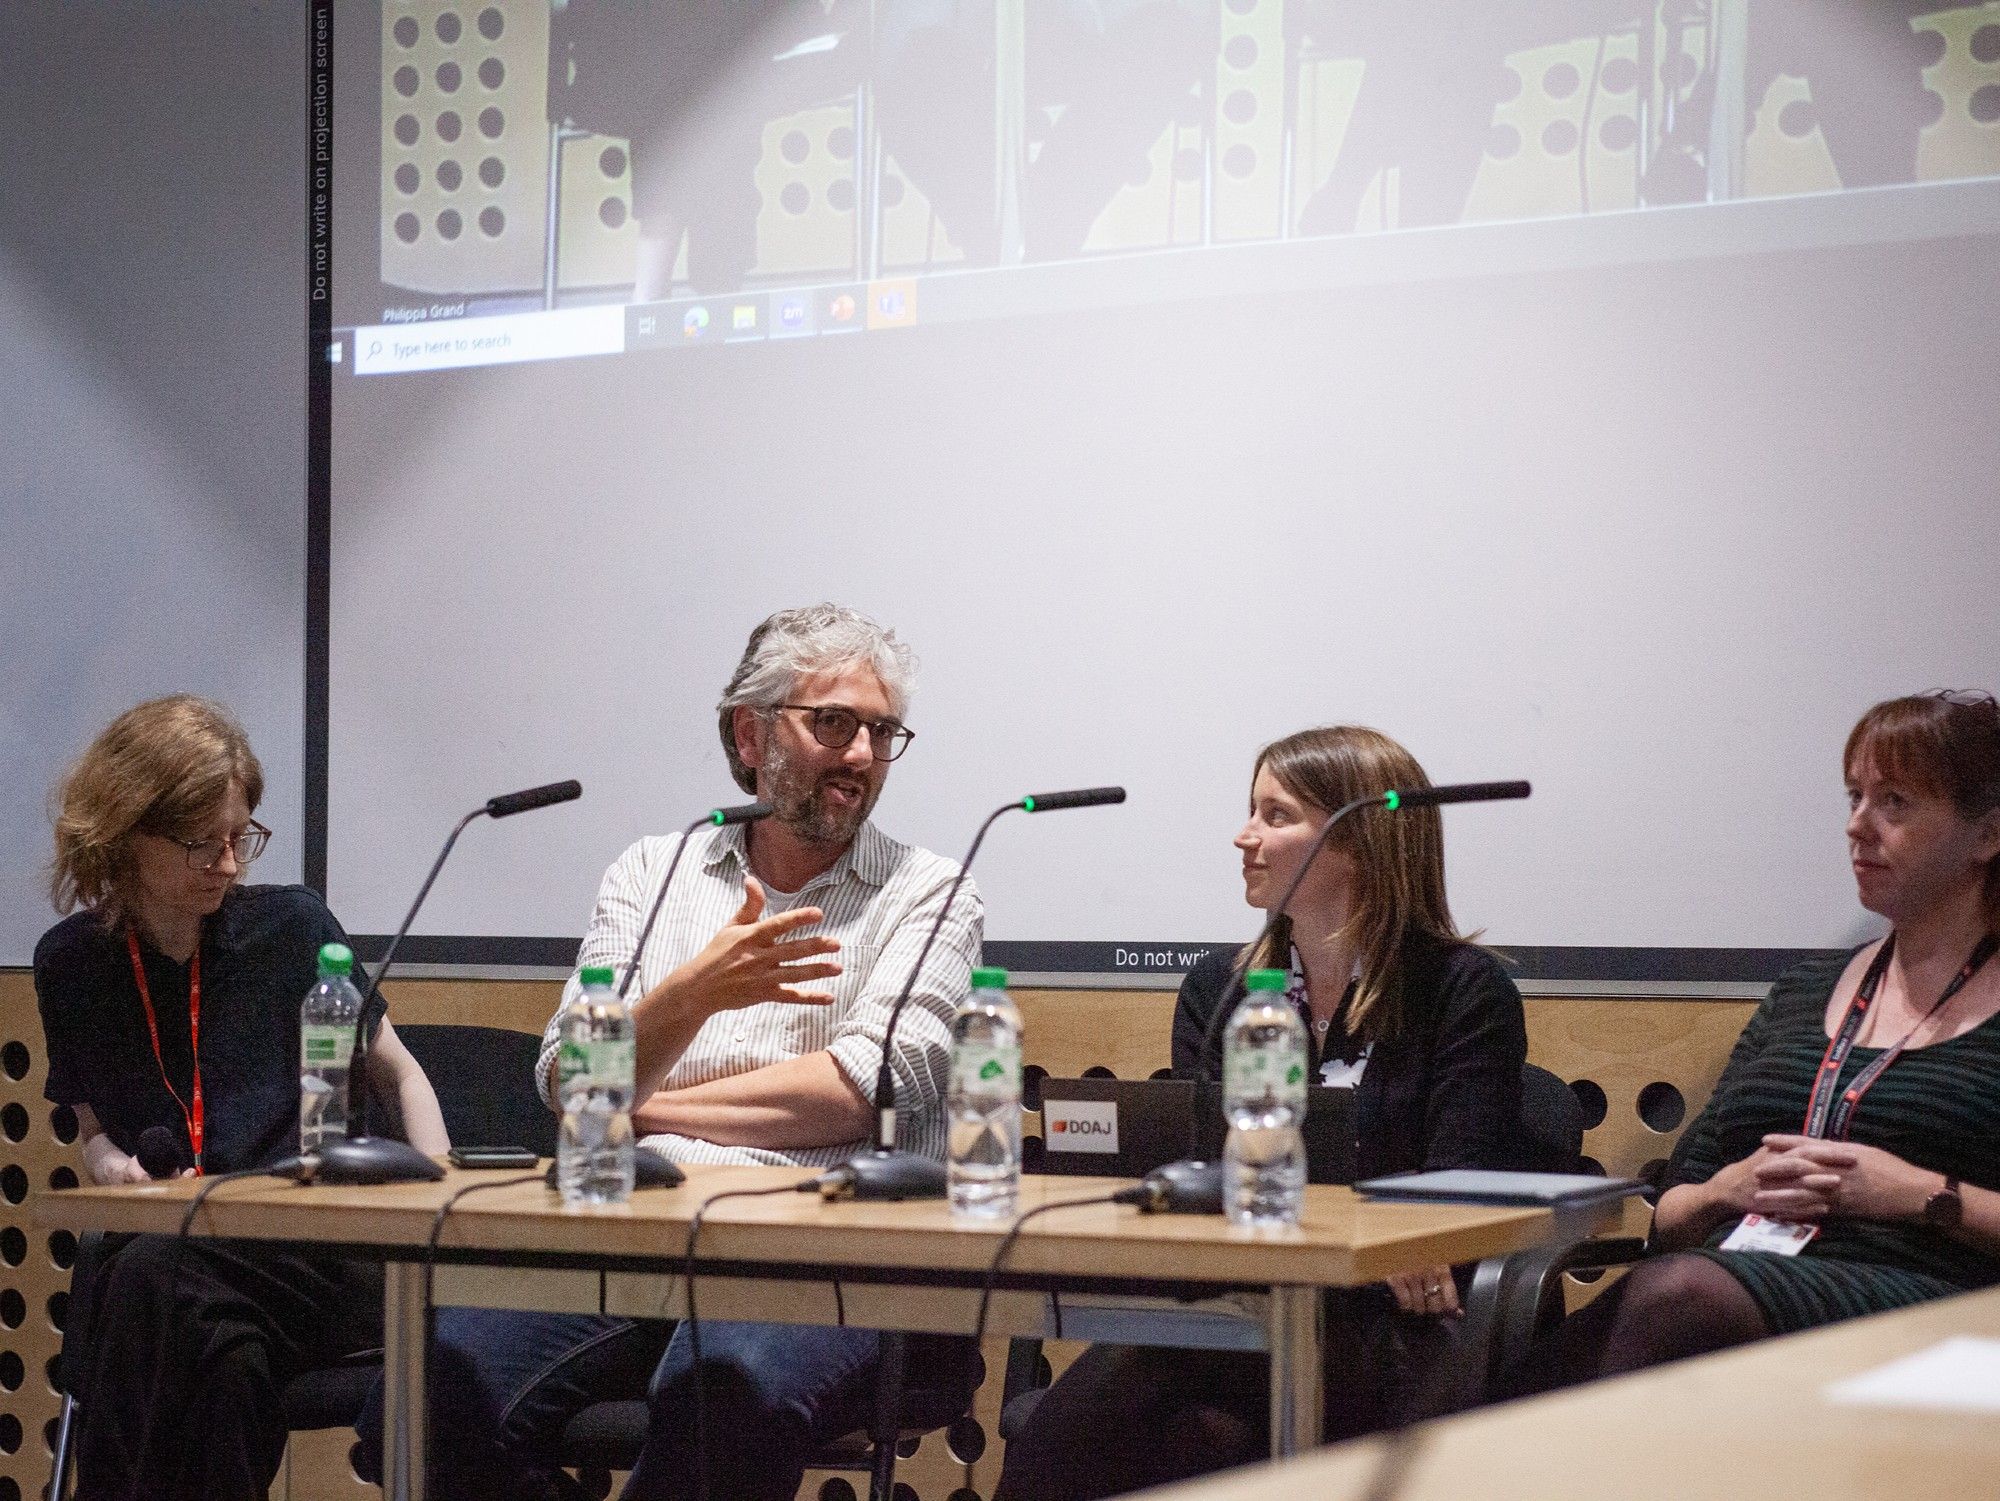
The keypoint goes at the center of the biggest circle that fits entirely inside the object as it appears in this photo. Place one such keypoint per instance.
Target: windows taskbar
(471, 331)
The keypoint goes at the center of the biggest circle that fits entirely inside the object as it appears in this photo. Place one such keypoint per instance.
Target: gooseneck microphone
(654, 1169)
(507, 804)
(1193, 1185)
(716, 818)
(881, 1171)
(359, 1157)
(1457, 792)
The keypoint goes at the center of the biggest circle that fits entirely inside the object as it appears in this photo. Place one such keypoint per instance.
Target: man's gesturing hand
(752, 960)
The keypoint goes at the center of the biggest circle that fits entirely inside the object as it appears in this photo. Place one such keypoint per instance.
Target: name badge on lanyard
(1774, 1237)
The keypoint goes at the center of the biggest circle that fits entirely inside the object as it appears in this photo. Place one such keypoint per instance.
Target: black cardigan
(1444, 1092)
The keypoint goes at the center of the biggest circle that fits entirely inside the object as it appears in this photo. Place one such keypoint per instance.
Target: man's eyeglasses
(206, 854)
(835, 728)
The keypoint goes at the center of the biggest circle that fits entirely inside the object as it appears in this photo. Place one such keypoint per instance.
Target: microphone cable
(284, 1167)
(430, 1311)
(437, 1232)
(810, 1185)
(1007, 1244)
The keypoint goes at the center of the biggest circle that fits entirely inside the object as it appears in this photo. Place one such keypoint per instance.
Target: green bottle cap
(335, 959)
(1266, 979)
(989, 979)
(596, 974)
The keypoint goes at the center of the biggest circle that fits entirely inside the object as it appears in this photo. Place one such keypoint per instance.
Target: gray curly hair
(794, 643)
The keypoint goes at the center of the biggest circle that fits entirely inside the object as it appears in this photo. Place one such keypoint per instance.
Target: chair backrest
(1551, 1123)
(485, 1083)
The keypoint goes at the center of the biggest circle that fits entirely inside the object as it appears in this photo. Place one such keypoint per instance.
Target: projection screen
(1590, 391)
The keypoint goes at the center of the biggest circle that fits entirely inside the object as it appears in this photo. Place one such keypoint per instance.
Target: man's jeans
(503, 1384)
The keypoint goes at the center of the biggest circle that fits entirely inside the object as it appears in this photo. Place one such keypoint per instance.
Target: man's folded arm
(802, 1102)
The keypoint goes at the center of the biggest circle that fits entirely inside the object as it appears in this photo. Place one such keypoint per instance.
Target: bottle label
(983, 1070)
(326, 1047)
(1276, 1072)
(604, 1064)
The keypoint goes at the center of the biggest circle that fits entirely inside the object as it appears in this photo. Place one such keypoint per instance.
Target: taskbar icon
(892, 304)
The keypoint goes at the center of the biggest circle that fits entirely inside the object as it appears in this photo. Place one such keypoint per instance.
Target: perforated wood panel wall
(1641, 1067)
(39, 1151)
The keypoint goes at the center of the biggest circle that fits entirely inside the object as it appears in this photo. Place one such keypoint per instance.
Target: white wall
(151, 394)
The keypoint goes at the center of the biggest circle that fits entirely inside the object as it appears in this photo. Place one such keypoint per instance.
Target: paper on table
(1960, 1374)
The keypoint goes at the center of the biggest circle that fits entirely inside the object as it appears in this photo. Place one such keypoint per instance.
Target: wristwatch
(1944, 1209)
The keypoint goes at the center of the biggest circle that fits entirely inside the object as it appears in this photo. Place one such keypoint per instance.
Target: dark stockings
(1664, 1309)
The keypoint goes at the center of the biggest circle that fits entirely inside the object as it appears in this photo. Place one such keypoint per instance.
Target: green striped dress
(1936, 1106)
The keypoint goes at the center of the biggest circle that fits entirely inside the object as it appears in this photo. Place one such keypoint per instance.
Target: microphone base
(879, 1174)
(1188, 1187)
(371, 1159)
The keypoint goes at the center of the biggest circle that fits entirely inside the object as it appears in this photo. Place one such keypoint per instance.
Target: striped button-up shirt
(879, 899)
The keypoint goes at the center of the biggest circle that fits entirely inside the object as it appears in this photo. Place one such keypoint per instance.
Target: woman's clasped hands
(1804, 1179)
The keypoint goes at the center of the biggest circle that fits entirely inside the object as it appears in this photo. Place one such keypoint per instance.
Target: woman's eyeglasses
(205, 854)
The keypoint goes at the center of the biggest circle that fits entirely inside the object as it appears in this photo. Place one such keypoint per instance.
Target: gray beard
(802, 807)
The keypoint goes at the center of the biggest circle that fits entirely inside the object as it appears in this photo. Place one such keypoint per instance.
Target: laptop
(1124, 1128)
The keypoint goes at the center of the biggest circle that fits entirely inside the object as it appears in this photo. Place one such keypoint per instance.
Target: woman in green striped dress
(1860, 1110)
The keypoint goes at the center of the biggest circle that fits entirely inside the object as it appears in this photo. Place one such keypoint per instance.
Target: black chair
(1489, 1337)
(485, 1083)
(1552, 1142)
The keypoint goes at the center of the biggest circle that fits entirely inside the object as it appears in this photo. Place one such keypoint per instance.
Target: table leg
(403, 1409)
(1297, 1334)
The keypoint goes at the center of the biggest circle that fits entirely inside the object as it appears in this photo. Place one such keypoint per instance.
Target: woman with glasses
(170, 1007)
(1423, 1025)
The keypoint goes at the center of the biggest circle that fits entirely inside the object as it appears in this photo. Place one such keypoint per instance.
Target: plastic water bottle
(1264, 1098)
(326, 1047)
(983, 1103)
(594, 1062)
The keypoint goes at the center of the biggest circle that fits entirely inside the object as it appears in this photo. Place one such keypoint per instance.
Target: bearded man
(763, 996)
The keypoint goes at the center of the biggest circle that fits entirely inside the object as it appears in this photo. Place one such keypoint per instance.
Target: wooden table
(1744, 1425)
(901, 1266)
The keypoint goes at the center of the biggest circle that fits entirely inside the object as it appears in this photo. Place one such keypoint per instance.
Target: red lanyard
(1825, 1117)
(192, 1114)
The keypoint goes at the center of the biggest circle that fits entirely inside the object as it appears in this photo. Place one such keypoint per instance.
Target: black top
(259, 957)
(1444, 1092)
(1937, 1107)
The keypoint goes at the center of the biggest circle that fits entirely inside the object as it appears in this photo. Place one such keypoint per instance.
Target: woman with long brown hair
(1422, 1024)
(170, 1002)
